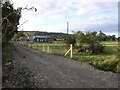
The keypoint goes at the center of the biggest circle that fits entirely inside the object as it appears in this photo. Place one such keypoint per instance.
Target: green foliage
(19, 36)
(101, 36)
(108, 63)
(80, 37)
(10, 21)
(88, 42)
(70, 39)
(7, 52)
(7, 56)
(96, 48)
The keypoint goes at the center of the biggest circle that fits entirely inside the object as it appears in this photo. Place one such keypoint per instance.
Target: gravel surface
(50, 71)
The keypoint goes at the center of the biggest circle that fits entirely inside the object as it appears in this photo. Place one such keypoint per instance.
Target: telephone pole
(67, 27)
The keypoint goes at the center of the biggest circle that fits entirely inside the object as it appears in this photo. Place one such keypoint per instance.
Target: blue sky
(82, 15)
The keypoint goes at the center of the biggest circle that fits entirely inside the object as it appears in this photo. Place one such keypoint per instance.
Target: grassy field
(54, 48)
(108, 61)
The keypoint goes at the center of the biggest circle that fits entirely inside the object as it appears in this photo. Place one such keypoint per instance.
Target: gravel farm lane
(59, 72)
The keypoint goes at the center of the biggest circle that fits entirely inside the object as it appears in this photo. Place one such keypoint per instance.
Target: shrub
(96, 48)
(89, 42)
(70, 39)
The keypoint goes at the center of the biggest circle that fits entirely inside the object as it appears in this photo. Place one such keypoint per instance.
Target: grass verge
(7, 58)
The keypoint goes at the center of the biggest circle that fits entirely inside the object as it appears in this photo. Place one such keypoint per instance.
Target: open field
(108, 60)
(112, 43)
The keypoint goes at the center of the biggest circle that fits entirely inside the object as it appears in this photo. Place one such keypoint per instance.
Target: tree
(113, 38)
(70, 39)
(91, 37)
(18, 36)
(102, 36)
(88, 42)
(10, 20)
(93, 43)
(118, 39)
(80, 37)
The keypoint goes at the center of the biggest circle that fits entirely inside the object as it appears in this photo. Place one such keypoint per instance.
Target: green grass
(107, 61)
(7, 56)
(110, 43)
(103, 62)
(54, 48)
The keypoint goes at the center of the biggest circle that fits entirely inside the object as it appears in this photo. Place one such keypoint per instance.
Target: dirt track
(59, 72)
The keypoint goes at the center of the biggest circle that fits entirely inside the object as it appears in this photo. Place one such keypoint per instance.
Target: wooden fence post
(43, 47)
(48, 48)
(71, 49)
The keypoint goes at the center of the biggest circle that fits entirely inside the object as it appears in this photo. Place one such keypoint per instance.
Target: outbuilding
(42, 39)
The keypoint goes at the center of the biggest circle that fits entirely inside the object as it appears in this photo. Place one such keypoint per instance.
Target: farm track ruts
(53, 71)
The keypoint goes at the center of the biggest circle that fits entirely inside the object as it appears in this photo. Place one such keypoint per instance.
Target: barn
(42, 39)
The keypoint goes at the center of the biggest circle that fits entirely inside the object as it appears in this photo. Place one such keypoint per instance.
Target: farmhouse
(42, 39)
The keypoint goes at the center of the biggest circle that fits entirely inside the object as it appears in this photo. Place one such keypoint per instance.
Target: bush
(96, 48)
(21, 38)
(89, 42)
(70, 39)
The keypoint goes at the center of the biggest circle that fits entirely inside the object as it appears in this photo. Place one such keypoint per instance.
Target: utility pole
(67, 27)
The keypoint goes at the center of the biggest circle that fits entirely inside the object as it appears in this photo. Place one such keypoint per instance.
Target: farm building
(42, 39)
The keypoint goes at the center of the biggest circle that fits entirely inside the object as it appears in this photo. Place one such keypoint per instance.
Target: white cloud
(51, 8)
(72, 10)
(103, 19)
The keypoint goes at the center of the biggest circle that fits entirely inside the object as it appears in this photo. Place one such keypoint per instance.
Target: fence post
(43, 47)
(48, 48)
(71, 47)
(71, 50)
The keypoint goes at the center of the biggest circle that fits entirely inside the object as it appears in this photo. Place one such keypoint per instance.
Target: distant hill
(54, 35)
(38, 33)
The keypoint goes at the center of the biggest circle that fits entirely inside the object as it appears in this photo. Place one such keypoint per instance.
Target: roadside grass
(103, 62)
(108, 61)
(7, 58)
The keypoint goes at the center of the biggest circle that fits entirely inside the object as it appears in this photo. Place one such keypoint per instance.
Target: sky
(82, 15)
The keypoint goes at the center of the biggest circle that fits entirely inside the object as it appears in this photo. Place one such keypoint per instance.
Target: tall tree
(10, 20)
(102, 36)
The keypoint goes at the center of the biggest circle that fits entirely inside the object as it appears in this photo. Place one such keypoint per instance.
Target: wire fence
(54, 48)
